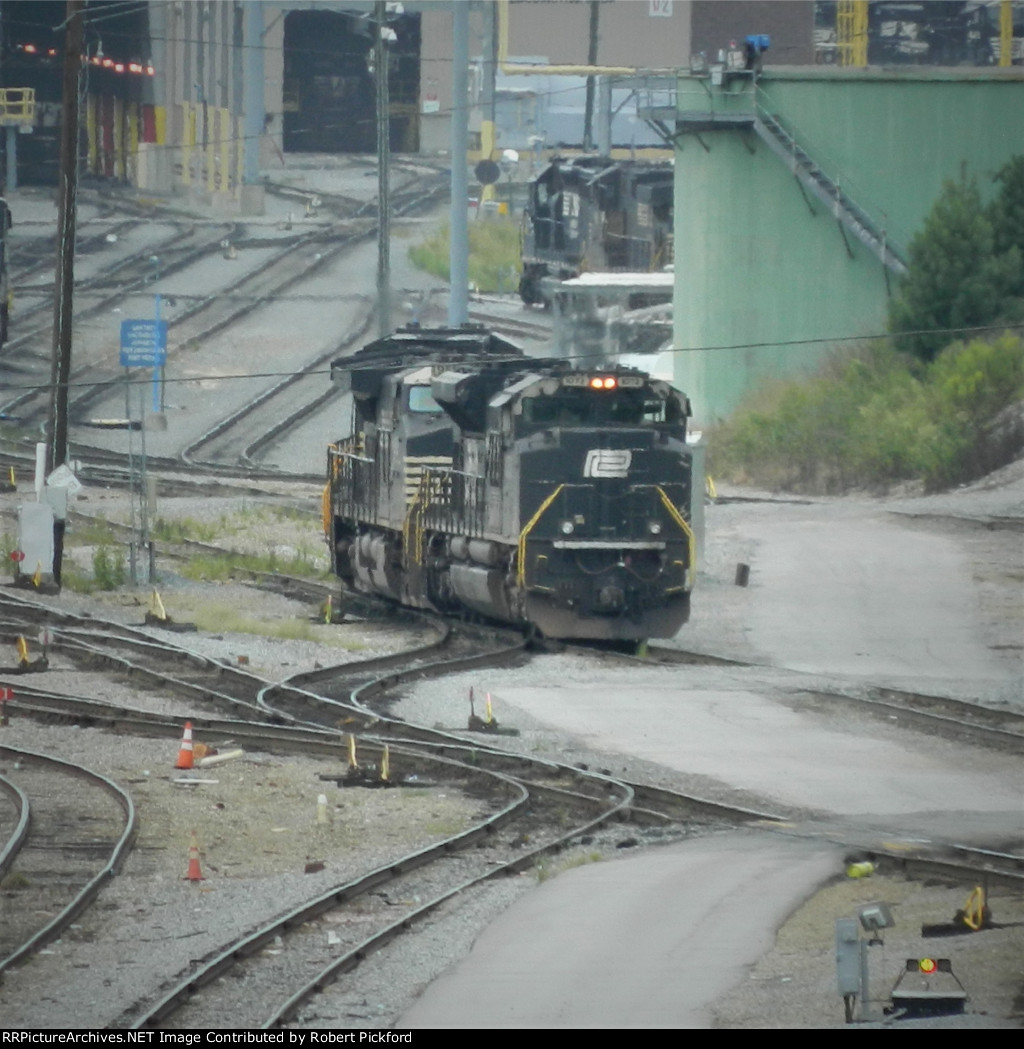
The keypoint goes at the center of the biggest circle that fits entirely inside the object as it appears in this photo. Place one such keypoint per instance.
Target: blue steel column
(253, 96)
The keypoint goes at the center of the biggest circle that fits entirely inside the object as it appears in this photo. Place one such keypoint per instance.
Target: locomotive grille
(414, 468)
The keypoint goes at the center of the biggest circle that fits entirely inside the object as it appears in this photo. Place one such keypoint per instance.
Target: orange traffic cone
(185, 751)
(194, 873)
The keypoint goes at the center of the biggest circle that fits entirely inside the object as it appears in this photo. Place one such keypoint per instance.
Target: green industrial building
(797, 193)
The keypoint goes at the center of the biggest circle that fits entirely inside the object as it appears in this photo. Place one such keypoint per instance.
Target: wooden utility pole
(60, 374)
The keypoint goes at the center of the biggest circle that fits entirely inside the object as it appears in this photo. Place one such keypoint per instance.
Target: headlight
(567, 527)
(654, 527)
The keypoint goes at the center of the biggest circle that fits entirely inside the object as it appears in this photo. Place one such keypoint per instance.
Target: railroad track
(109, 288)
(68, 831)
(274, 267)
(553, 792)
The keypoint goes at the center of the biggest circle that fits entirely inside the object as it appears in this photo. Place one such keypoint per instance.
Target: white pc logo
(607, 462)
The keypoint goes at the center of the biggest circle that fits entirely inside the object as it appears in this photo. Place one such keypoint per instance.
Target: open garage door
(329, 88)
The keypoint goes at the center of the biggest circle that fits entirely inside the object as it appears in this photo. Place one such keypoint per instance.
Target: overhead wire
(526, 361)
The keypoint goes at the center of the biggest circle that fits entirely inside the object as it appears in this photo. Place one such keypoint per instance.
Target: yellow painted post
(91, 133)
(1006, 33)
(119, 137)
(860, 32)
(210, 150)
(188, 139)
(487, 139)
(385, 765)
(134, 136)
(239, 151)
(352, 763)
(224, 161)
(852, 32)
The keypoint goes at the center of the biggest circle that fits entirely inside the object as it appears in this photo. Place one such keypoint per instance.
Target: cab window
(421, 402)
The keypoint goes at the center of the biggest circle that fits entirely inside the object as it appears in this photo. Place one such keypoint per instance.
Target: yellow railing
(530, 525)
(691, 539)
(17, 105)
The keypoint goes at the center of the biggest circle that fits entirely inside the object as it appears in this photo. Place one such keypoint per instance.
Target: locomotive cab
(606, 549)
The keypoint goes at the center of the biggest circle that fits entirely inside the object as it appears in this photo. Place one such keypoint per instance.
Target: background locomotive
(596, 214)
(476, 479)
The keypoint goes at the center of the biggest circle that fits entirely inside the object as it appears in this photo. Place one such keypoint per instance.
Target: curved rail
(52, 929)
(10, 851)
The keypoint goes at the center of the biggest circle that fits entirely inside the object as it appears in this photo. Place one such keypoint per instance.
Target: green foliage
(95, 532)
(546, 867)
(228, 619)
(75, 580)
(184, 529)
(231, 564)
(957, 279)
(494, 254)
(874, 418)
(108, 568)
(1007, 213)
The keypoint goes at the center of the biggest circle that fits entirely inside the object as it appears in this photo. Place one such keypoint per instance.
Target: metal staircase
(849, 215)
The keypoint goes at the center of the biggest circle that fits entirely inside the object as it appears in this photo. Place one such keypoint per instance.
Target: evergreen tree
(1007, 213)
(955, 280)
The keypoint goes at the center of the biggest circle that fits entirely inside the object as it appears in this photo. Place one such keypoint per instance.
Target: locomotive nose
(611, 597)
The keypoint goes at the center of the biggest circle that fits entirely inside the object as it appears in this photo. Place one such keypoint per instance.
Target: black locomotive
(597, 214)
(478, 480)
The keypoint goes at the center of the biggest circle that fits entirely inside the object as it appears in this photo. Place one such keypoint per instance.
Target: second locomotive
(477, 480)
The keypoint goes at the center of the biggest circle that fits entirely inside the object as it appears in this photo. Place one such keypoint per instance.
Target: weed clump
(876, 417)
(108, 568)
(494, 255)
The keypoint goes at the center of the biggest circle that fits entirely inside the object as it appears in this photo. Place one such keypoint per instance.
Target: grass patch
(217, 618)
(227, 619)
(547, 869)
(90, 532)
(211, 568)
(186, 529)
(495, 261)
(73, 579)
(874, 417)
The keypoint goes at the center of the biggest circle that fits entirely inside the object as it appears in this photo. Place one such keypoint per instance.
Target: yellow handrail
(691, 539)
(521, 552)
(17, 105)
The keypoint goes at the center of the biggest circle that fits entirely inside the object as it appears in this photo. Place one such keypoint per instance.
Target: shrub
(876, 417)
(108, 568)
(494, 254)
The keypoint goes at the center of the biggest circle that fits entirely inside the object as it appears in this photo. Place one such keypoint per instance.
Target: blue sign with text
(143, 344)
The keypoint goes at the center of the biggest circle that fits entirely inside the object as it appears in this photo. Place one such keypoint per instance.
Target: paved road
(836, 590)
(645, 942)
